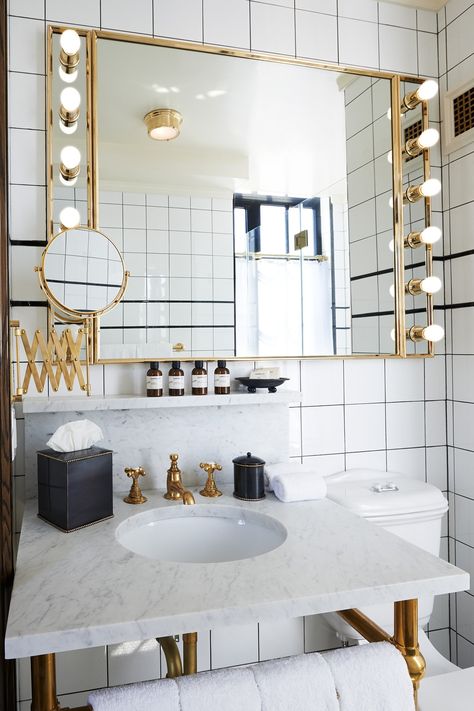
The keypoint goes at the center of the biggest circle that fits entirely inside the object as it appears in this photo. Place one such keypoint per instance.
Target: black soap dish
(253, 383)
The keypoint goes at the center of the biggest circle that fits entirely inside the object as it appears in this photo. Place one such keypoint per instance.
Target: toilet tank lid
(371, 493)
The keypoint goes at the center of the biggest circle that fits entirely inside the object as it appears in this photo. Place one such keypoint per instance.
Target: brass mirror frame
(397, 174)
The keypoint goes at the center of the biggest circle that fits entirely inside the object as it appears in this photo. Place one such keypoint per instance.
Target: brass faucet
(174, 484)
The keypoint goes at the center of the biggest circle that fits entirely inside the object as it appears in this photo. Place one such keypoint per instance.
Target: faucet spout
(174, 484)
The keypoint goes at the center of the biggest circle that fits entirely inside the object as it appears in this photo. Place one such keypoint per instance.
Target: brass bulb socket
(415, 334)
(413, 240)
(413, 287)
(412, 148)
(410, 101)
(163, 118)
(69, 62)
(69, 173)
(68, 118)
(412, 194)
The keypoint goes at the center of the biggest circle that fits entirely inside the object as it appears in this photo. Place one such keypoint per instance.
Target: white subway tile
(405, 425)
(80, 670)
(465, 560)
(398, 49)
(243, 648)
(26, 100)
(319, 635)
(316, 36)
(27, 224)
(25, 285)
(322, 382)
(465, 651)
(358, 43)
(326, 6)
(407, 461)
(130, 662)
(323, 430)
(459, 38)
(364, 427)
(464, 473)
(26, 45)
(427, 57)
(455, 7)
(427, 21)
(27, 157)
(362, 10)
(27, 8)
(392, 14)
(283, 638)
(87, 12)
(366, 460)
(465, 616)
(295, 418)
(325, 464)
(272, 28)
(178, 18)
(227, 23)
(436, 467)
(405, 380)
(128, 17)
(364, 381)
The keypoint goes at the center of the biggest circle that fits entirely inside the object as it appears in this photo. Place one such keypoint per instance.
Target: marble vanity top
(84, 589)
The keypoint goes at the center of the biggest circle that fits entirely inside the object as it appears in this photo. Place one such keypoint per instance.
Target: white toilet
(408, 508)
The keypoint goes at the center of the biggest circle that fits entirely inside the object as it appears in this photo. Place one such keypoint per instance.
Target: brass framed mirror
(267, 224)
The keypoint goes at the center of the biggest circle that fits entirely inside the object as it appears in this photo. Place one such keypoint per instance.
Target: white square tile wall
(366, 33)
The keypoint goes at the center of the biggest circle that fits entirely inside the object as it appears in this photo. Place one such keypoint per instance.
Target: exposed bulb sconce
(428, 285)
(70, 44)
(69, 109)
(427, 189)
(69, 218)
(433, 333)
(429, 235)
(425, 92)
(163, 124)
(69, 166)
(427, 139)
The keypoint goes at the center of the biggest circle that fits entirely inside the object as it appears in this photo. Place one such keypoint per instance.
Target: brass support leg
(190, 652)
(364, 625)
(172, 656)
(405, 638)
(43, 683)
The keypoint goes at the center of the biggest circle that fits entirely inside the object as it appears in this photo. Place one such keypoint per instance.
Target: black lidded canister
(249, 483)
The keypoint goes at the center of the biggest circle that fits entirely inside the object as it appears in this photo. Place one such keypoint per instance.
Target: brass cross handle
(210, 488)
(135, 496)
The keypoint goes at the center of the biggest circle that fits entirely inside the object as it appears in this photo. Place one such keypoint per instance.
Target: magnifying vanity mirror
(82, 273)
(251, 197)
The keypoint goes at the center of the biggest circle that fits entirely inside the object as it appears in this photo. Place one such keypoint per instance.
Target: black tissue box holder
(75, 488)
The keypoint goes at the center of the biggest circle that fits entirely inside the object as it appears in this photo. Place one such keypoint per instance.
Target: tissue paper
(72, 436)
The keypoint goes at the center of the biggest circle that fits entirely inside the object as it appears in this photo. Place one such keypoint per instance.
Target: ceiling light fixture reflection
(431, 333)
(428, 285)
(163, 124)
(429, 235)
(426, 139)
(69, 166)
(70, 44)
(69, 109)
(69, 218)
(427, 189)
(425, 92)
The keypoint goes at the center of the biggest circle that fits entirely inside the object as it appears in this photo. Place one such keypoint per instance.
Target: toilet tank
(407, 507)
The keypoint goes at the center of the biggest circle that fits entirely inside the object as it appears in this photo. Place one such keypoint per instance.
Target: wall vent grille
(463, 112)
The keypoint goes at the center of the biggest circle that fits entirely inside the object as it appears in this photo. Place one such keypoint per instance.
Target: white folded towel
(302, 683)
(273, 470)
(231, 689)
(145, 696)
(371, 677)
(304, 486)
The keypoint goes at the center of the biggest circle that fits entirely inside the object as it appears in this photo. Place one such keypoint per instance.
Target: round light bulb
(433, 333)
(67, 78)
(68, 182)
(389, 114)
(431, 285)
(67, 129)
(163, 133)
(430, 235)
(391, 245)
(71, 99)
(70, 157)
(428, 138)
(392, 334)
(430, 187)
(427, 90)
(70, 42)
(390, 157)
(390, 202)
(69, 217)
(391, 291)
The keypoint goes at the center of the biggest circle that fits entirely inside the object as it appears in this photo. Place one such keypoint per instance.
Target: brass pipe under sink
(172, 656)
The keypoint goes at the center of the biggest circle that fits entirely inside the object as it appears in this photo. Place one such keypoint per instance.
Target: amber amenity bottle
(154, 381)
(176, 379)
(199, 379)
(221, 379)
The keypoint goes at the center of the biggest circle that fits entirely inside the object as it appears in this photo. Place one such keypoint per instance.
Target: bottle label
(222, 380)
(154, 382)
(176, 382)
(199, 381)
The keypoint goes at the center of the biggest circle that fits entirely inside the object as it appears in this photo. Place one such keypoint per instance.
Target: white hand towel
(302, 683)
(146, 696)
(306, 486)
(273, 470)
(371, 677)
(223, 690)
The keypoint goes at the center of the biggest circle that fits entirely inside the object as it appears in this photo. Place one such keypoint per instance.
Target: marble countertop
(84, 589)
(33, 405)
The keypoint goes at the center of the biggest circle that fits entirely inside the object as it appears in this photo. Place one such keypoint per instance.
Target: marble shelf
(35, 405)
(84, 589)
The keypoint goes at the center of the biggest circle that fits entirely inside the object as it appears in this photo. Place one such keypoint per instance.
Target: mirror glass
(264, 227)
(83, 271)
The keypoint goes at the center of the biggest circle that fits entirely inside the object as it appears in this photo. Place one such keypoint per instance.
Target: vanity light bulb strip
(433, 333)
(429, 188)
(69, 55)
(69, 218)
(429, 285)
(69, 109)
(425, 92)
(427, 139)
(69, 166)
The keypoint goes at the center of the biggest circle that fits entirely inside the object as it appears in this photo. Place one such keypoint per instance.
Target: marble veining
(146, 437)
(84, 589)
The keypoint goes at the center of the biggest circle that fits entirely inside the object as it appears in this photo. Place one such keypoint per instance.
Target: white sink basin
(201, 534)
